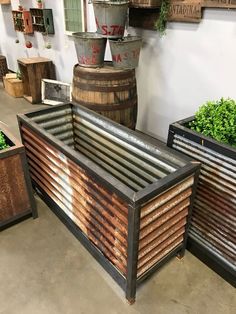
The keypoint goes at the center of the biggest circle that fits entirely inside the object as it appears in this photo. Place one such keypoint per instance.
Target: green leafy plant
(217, 119)
(160, 24)
(18, 74)
(3, 143)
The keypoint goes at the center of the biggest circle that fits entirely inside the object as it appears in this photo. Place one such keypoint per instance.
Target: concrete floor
(45, 270)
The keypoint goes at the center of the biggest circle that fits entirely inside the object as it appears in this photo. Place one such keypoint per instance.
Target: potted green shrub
(16, 197)
(210, 137)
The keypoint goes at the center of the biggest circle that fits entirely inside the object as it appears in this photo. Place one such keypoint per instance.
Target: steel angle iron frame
(185, 169)
(199, 144)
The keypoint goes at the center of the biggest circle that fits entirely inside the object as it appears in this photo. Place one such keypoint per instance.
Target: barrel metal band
(110, 107)
(99, 76)
(97, 88)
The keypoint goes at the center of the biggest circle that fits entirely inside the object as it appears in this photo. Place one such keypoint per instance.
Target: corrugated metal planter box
(126, 199)
(212, 232)
(16, 198)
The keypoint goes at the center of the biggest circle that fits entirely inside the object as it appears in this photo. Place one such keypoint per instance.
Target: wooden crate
(13, 86)
(33, 70)
(22, 21)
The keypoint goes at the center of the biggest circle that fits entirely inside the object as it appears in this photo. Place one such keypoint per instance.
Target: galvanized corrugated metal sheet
(214, 212)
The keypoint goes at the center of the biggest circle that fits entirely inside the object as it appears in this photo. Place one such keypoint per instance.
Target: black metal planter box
(126, 199)
(212, 234)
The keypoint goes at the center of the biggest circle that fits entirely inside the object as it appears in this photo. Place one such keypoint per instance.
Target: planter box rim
(206, 141)
(186, 168)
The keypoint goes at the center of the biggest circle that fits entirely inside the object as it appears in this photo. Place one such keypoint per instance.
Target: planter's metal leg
(131, 301)
(181, 253)
(133, 243)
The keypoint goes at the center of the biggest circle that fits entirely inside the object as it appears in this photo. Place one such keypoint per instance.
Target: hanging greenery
(160, 24)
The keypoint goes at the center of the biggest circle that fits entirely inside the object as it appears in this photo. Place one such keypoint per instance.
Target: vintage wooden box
(16, 198)
(33, 70)
(42, 20)
(22, 21)
(125, 196)
(13, 86)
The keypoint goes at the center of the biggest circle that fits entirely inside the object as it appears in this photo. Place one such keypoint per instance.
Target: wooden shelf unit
(22, 21)
(42, 20)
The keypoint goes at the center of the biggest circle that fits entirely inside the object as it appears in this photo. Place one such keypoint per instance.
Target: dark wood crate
(16, 198)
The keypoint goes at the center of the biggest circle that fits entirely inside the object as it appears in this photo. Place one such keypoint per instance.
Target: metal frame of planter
(211, 243)
(108, 190)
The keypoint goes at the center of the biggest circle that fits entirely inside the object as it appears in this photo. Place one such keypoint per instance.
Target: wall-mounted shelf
(5, 1)
(145, 13)
(22, 21)
(42, 20)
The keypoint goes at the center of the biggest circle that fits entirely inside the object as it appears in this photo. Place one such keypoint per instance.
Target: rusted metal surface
(96, 186)
(162, 222)
(214, 211)
(82, 204)
(178, 220)
(152, 261)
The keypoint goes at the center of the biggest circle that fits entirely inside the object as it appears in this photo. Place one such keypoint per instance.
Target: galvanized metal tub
(125, 196)
(212, 232)
(125, 52)
(110, 17)
(90, 48)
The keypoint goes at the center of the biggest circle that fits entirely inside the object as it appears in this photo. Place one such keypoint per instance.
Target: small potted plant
(16, 197)
(40, 4)
(210, 137)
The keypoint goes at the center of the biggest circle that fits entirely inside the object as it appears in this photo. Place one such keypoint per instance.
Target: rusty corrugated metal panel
(151, 254)
(162, 223)
(105, 225)
(177, 221)
(214, 212)
(165, 250)
(169, 195)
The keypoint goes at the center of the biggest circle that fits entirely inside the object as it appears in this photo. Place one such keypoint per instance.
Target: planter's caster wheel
(131, 301)
(180, 255)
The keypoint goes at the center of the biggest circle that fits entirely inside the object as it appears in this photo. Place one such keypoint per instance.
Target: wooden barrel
(3, 67)
(108, 91)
